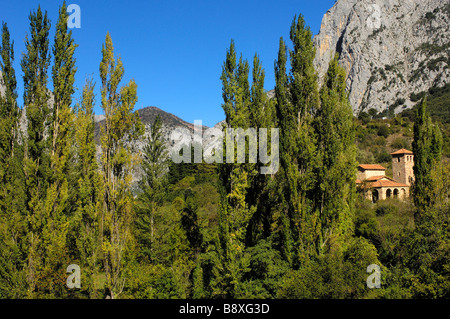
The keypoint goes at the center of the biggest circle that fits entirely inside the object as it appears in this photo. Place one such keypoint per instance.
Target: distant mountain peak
(148, 115)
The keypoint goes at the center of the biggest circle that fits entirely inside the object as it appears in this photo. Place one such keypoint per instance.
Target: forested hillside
(220, 230)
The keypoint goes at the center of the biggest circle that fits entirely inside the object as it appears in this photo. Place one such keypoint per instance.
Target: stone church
(372, 180)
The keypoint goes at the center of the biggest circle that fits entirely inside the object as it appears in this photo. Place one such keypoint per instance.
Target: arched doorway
(396, 193)
(374, 196)
(388, 193)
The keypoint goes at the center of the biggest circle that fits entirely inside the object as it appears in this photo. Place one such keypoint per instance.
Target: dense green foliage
(141, 226)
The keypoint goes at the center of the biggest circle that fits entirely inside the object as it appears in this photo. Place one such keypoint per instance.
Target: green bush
(364, 117)
(383, 157)
(383, 130)
(400, 142)
(386, 207)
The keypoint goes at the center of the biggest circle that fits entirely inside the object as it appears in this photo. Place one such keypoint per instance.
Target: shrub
(383, 157)
(364, 117)
(400, 142)
(383, 130)
(430, 16)
(386, 207)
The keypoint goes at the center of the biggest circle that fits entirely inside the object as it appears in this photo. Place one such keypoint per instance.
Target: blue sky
(174, 50)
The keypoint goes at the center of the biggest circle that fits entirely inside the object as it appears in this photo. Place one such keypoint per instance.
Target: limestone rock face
(2, 88)
(390, 49)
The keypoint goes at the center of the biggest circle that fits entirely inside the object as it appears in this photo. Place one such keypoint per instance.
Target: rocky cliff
(391, 49)
(2, 88)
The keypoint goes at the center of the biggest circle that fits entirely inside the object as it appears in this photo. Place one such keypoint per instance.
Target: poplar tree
(261, 115)
(9, 110)
(297, 102)
(63, 74)
(12, 196)
(235, 211)
(243, 216)
(427, 245)
(9, 118)
(35, 63)
(118, 164)
(89, 190)
(57, 204)
(427, 149)
(281, 227)
(336, 157)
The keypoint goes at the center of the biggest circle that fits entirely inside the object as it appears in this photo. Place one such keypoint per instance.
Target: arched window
(388, 193)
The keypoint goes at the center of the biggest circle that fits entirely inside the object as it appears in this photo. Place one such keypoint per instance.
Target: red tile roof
(375, 178)
(402, 151)
(387, 183)
(380, 181)
(372, 167)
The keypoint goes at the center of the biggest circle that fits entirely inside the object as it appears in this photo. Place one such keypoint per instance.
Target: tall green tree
(35, 63)
(57, 205)
(63, 75)
(9, 110)
(297, 101)
(12, 194)
(336, 156)
(427, 148)
(243, 215)
(262, 114)
(153, 185)
(234, 178)
(427, 245)
(281, 227)
(118, 164)
(89, 200)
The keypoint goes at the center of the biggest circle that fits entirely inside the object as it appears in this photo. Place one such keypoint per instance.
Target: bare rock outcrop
(390, 49)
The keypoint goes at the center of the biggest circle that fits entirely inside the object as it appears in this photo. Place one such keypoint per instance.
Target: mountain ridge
(148, 115)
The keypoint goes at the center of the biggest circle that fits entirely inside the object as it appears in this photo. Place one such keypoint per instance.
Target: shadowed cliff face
(389, 49)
